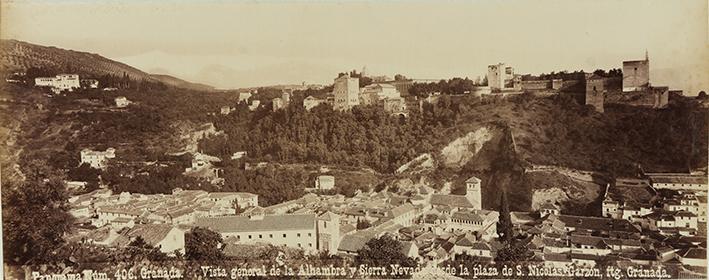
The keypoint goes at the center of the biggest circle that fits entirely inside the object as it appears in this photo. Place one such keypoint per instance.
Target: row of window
(260, 236)
(681, 185)
(466, 222)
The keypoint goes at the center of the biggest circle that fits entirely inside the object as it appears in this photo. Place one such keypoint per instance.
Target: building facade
(328, 232)
(325, 182)
(372, 94)
(311, 102)
(97, 159)
(346, 92)
(636, 74)
(60, 82)
(295, 231)
(499, 76)
(473, 190)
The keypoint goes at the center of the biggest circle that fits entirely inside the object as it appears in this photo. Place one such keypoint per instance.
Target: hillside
(19, 56)
(497, 140)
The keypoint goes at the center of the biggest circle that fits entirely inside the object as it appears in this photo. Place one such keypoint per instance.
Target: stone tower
(595, 92)
(346, 91)
(496, 76)
(473, 192)
(328, 231)
(636, 74)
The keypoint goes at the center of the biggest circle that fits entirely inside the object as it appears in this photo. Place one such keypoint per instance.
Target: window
(270, 236)
(310, 244)
(249, 236)
(324, 224)
(284, 235)
(298, 234)
(299, 245)
(310, 234)
(259, 236)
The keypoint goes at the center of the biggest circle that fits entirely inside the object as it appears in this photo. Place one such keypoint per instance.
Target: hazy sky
(247, 43)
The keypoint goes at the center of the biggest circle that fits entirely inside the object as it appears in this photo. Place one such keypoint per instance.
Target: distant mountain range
(19, 56)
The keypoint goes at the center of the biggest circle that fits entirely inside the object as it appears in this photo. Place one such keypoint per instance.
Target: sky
(230, 44)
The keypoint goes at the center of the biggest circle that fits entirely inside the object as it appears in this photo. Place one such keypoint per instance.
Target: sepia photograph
(354, 139)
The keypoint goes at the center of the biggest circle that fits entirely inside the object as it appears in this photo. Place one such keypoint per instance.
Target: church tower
(473, 192)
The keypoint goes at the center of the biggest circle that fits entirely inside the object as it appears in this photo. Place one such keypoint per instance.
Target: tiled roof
(466, 241)
(467, 216)
(347, 228)
(550, 242)
(309, 198)
(221, 195)
(473, 180)
(268, 223)
(400, 210)
(121, 220)
(555, 257)
(398, 200)
(327, 216)
(180, 212)
(116, 210)
(597, 223)
(353, 242)
(451, 200)
(481, 246)
(588, 240)
(151, 233)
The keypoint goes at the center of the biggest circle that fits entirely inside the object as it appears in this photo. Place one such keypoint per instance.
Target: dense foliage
(452, 86)
(367, 136)
(383, 252)
(202, 244)
(273, 185)
(34, 215)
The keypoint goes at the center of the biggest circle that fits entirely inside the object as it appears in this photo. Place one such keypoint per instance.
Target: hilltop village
(654, 218)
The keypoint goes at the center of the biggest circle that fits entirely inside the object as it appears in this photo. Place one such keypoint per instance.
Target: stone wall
(572, 86)
(536, 85)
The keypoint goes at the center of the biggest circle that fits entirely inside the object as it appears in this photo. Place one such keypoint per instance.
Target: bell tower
(473, 192)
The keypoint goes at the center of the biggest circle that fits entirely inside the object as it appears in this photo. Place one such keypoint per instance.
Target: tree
(363, 224)
(139, 249)
(204, 245)
(702, 95)
(35, 215)
(84, 173)
(504, 226)
(514, 251)
(383, 251)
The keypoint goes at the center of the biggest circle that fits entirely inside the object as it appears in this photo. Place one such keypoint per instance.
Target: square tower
(346, 92)
(595, 92)
(473, 192)
(328, 232)
(496, 76)
(636, 74)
